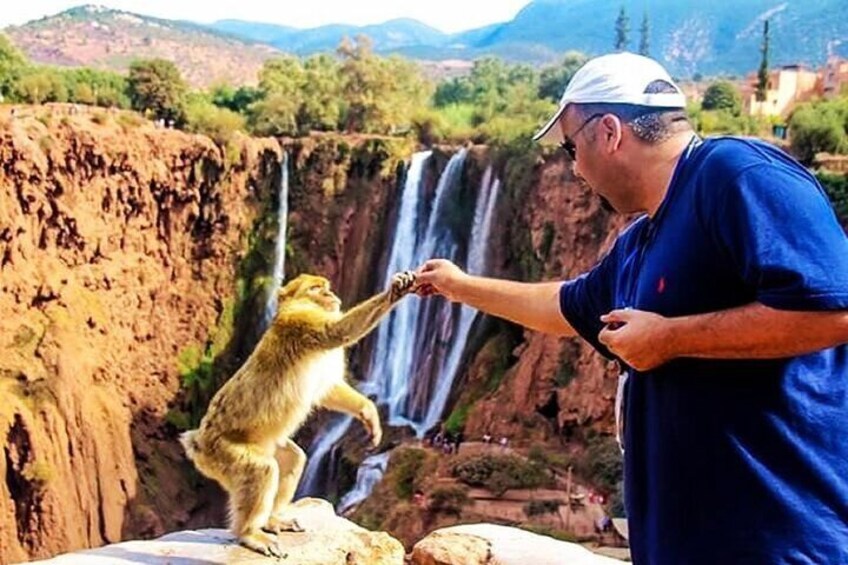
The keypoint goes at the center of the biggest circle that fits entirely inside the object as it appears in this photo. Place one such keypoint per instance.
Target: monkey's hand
(402, 284)
(370, 418)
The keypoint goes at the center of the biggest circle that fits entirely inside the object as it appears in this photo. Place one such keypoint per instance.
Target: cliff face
(522, 384)
(118, 251)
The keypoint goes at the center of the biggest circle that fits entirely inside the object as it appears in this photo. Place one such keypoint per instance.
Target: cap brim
(549, 132)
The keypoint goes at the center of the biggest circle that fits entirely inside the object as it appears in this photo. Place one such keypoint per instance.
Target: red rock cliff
(118, 251)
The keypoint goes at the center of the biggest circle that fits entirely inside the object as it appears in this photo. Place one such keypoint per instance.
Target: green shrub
(448, 499)
(836, 187)
(499, 473)
(539, 507)
(218, 123)
(405, 465)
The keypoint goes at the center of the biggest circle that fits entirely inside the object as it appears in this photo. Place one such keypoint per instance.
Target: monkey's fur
(243, 441)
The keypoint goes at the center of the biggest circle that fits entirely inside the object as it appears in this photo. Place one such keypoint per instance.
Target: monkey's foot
(276, 525)
(261, 542)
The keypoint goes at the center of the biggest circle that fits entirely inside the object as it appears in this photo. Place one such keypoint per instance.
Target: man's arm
(645, 340)
(533, 305)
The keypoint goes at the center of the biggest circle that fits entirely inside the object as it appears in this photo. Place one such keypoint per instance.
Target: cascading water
(401, 258)
(369, 474)
(475, 265)
(280, 248)
(419, 348)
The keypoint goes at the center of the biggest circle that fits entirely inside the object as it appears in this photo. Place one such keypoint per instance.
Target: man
(725, 302)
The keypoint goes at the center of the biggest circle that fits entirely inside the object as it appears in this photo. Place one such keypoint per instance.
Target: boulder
(328, 540)
(489, 544)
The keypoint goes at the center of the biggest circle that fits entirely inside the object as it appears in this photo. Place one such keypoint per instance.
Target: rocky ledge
(332, 540)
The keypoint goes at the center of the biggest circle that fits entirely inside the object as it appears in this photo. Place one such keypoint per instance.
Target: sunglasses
(568, 145)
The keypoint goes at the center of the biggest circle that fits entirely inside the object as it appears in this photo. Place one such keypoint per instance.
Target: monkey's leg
(291, 460)
(344, 398)
(254, 478)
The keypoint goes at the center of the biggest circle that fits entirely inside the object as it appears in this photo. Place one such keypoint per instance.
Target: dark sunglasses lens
(569, 147)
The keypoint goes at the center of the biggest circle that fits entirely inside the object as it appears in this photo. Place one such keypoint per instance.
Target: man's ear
(612, 130)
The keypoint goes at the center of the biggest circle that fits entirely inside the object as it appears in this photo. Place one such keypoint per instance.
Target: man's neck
(656, 165)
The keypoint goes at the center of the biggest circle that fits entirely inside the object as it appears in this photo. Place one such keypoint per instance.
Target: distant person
(725, 302)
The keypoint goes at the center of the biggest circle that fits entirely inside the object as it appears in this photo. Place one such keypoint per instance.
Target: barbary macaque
(244, 439)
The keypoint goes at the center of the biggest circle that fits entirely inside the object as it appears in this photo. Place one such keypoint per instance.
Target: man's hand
(640, 339)
(439, 276)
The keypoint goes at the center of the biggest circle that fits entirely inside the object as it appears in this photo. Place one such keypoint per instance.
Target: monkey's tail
(189, 442)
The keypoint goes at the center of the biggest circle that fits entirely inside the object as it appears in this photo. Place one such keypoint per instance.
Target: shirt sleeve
(583, 300)
(781, 235)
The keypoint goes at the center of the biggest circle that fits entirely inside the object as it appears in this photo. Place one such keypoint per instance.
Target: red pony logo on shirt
(661, 285)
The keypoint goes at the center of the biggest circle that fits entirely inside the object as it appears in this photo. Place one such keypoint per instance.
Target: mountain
(388, 36)
(710, 38)
(110, 39)
(707, 37)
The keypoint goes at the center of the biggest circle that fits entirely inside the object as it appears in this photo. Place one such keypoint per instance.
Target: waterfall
(475, 265)
(401, 257)
(280, 248)
(367, 477)
(397, 350)
(419, 348)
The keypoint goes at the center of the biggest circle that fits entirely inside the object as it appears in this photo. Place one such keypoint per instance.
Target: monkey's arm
(344, 398)
(362, 318)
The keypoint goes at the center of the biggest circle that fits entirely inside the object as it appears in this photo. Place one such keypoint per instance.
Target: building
(834, 77)
(787, 86)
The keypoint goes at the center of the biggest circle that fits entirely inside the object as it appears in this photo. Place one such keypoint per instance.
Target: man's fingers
(619, 315)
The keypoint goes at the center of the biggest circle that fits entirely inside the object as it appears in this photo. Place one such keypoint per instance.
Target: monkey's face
(315, 289)
(324, 297)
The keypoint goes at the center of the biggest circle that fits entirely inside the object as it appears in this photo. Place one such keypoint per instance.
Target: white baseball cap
(619, 78)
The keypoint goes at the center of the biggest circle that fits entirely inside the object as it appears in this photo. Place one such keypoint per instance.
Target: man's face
(586, 138)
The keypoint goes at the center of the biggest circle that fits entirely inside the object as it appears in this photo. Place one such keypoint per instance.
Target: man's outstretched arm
(533, 305)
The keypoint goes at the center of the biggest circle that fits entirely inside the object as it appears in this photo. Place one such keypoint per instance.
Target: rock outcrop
(331, 540)
(328, 540)
(489, 544)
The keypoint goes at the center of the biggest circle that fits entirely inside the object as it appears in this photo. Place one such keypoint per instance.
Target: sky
(447, 15)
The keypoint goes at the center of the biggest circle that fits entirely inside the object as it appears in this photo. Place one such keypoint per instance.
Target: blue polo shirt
(731, 461)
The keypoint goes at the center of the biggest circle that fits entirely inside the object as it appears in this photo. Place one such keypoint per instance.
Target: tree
(722, 95)
(96, 87)
(644, 36)
(622, 31)
(322, 102)
(762, 74)
(37, 85)
(553, 80)
(819, 127)
(381, 94)
(155, 86)
(281, 82)
(12, 64)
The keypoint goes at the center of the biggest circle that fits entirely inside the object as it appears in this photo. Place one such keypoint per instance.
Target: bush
(499, 473)
(539, 507)
(208, 119)
(448, 500)
(404, 467)
(817, 127)
(722, 95)
(836, 187)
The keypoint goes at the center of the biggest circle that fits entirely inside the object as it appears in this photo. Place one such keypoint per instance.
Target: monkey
(244, 440)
